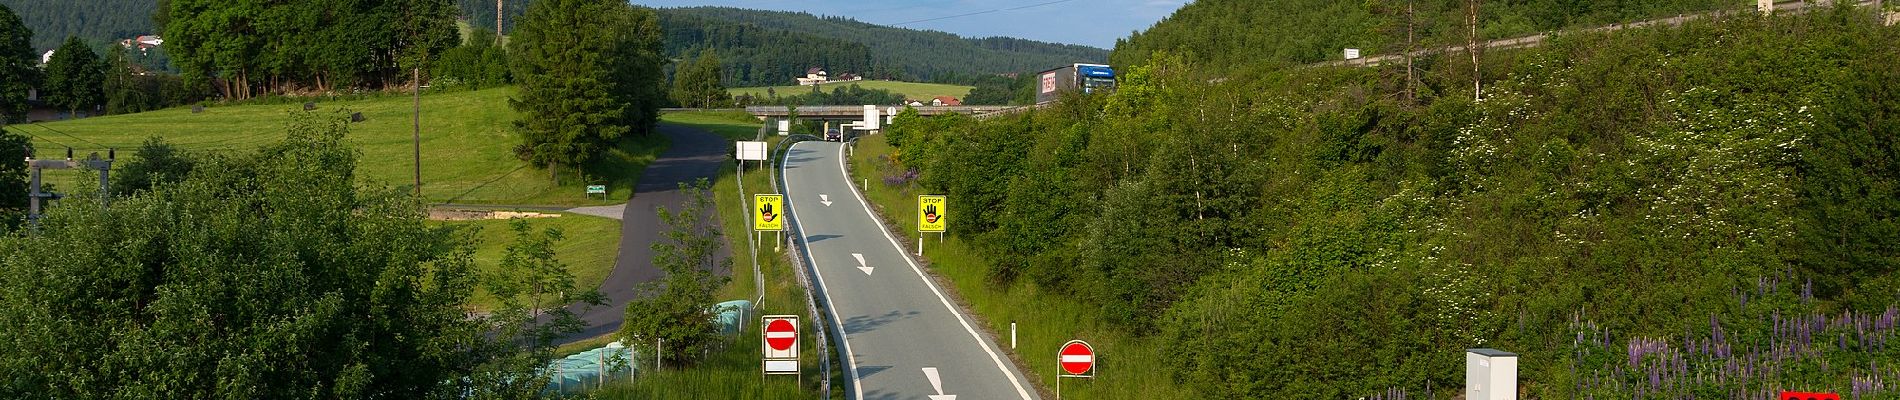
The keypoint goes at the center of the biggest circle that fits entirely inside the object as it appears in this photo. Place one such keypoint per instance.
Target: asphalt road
(693, 154)
(895, 321)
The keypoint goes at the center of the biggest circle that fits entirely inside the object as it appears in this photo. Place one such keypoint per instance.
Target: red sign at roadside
(1809, 396)
(1078, 359)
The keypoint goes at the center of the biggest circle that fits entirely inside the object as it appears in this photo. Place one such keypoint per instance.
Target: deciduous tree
(74, 77)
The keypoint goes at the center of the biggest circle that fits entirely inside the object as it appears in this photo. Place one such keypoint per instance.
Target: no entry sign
(780, 338)
(1077, 359)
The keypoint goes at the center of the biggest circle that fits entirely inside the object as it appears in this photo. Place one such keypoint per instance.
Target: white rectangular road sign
(751, 151)
(596, 189)
(775, 367)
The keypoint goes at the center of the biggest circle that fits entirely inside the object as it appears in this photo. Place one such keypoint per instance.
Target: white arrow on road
(825, 199)
(937, 383)
(867, 269)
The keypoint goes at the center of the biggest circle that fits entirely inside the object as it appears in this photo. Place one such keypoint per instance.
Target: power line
(70, 135)
(30, 134)
(983, 12)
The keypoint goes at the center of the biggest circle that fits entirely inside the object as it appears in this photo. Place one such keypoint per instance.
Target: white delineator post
(1490, 374)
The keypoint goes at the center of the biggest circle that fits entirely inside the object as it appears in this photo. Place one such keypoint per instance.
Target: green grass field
(910, 90)
(589, 246)
(732, 125)
(466, 145)
(1128, 367)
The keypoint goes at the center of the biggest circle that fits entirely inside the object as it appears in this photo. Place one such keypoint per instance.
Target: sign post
(779, 341)
(931, 217)
(1075, 360)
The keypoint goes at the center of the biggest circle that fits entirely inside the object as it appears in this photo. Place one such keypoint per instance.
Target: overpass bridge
(849, 112)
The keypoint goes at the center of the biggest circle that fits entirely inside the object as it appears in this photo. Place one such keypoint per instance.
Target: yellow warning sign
(930, 214)
(768, 212)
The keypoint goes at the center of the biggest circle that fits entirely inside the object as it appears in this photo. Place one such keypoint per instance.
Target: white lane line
(1013, 381)
(851, 361)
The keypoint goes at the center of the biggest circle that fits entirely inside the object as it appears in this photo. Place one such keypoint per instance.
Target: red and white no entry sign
(781, 338)
(1078, 359)
(781, 334)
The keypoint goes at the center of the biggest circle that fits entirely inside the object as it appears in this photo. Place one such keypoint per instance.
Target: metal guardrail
(799, 266)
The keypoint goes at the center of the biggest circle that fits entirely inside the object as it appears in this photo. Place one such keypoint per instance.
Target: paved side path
(694, 154)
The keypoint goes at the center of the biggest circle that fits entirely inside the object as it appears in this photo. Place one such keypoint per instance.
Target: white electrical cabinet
(1490, 374)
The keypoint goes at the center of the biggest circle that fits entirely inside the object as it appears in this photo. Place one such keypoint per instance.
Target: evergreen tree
(74, 77)
(17, 66)
(589, 73)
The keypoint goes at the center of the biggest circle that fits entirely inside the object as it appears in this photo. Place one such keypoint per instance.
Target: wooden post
(416, 87)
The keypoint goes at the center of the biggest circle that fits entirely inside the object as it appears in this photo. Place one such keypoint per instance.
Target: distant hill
(1223, 34)
(909, 54)
(95, 20)
(761, 48)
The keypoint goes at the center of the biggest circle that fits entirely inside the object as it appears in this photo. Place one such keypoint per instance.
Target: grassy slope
(732, 125)
(466, 145)
(911, 90)
(734, 371)
(1129, 367)
(589, 246)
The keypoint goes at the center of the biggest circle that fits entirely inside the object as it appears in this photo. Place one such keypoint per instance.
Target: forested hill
(97, 20)
(918, 55)
(1224, 34)
(771, 47)
(755, 56)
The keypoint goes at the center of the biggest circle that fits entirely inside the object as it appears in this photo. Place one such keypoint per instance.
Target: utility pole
(1477, 80)
(498, 22)
(36, 197)
(416, 87)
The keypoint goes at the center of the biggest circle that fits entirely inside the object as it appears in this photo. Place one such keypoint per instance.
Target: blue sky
(1086, 22)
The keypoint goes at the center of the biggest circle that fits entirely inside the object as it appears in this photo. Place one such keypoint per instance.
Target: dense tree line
(248, 48)
(480, 62)
(765, 48)
(1314, 232)
(911, 54)
(1235, 34)
(589, 75)
(93, 20)
(754, 56)
(268, 274)
(838, 96)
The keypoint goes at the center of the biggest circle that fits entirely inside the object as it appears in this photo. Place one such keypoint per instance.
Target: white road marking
(825, 198)
(851, 360)
(936, 382)
(1013, 380)
(861, 266)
